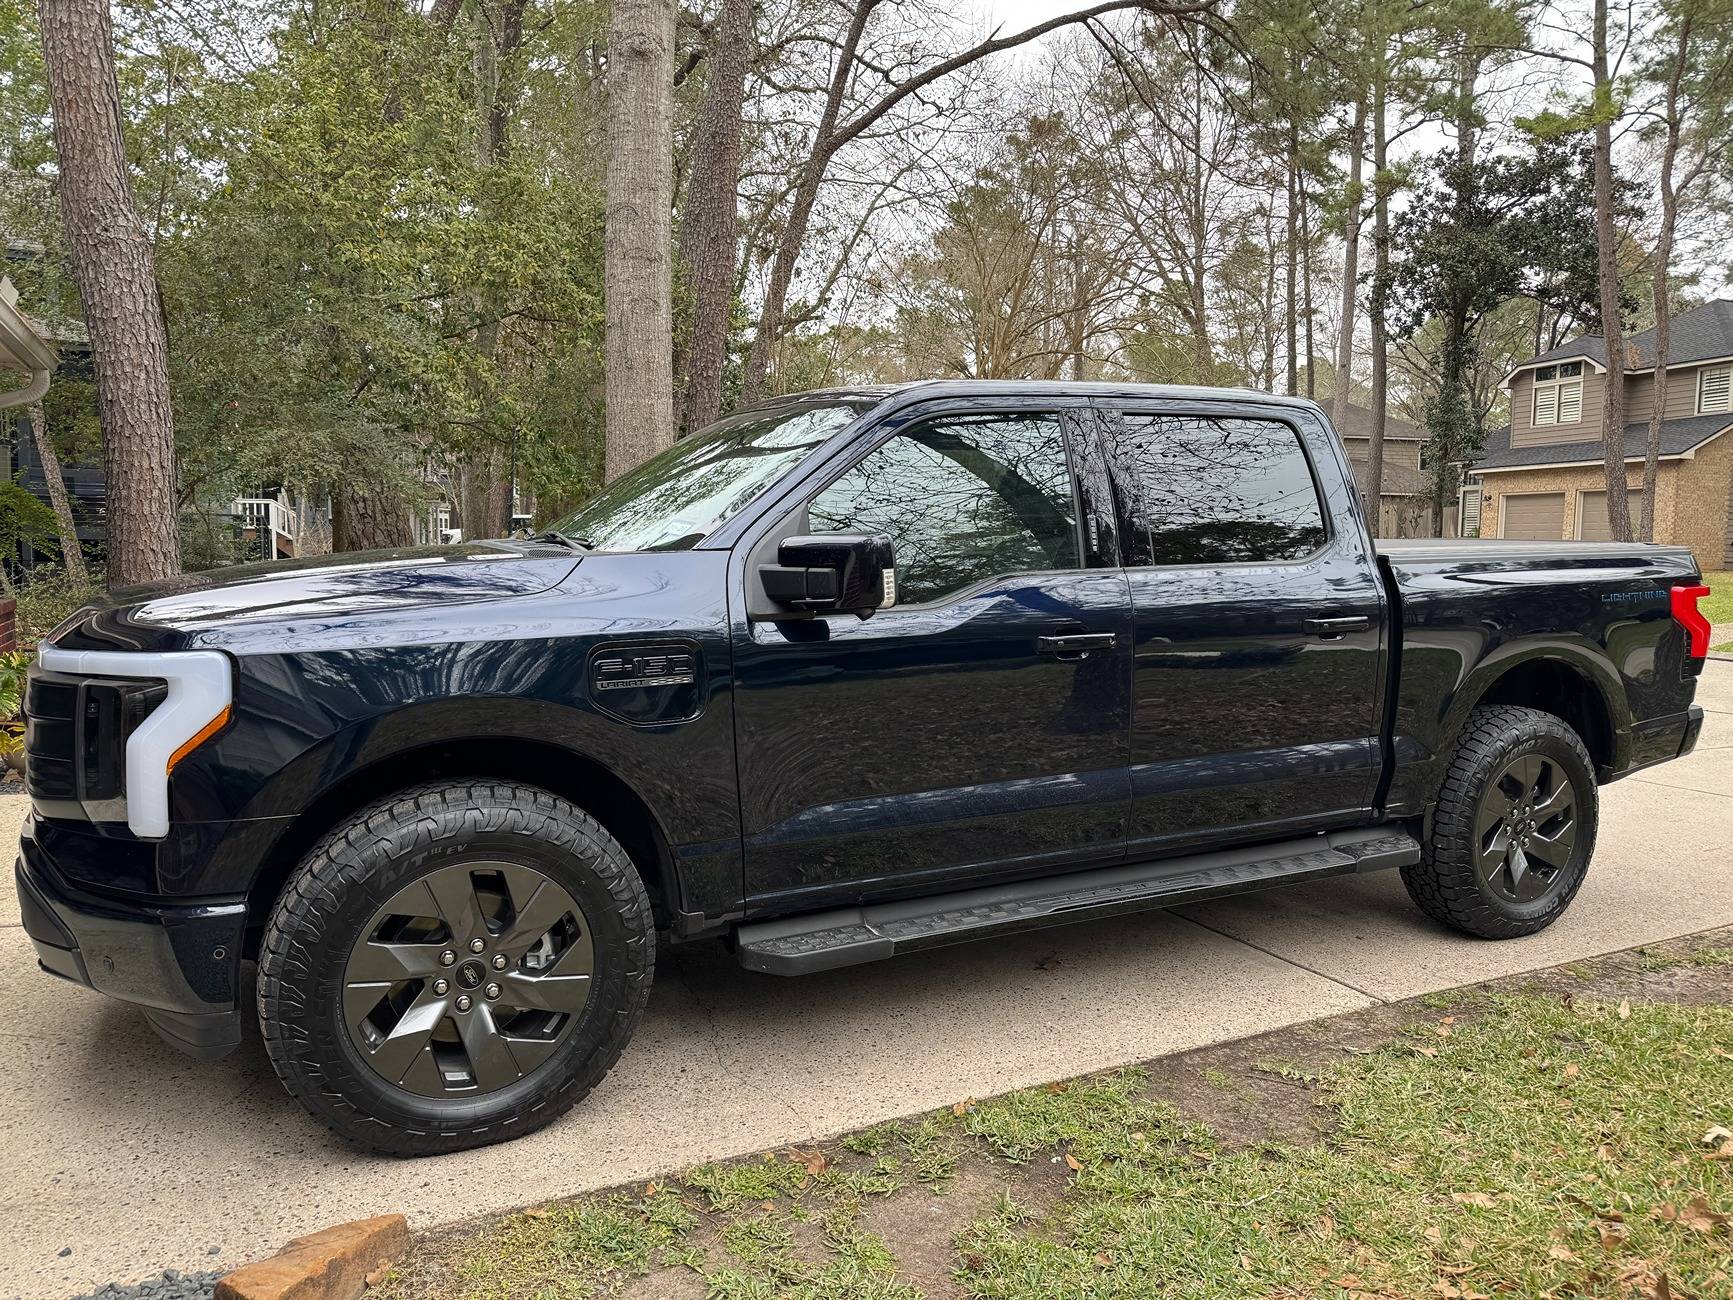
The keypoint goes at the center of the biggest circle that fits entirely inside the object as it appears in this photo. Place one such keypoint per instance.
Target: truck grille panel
(75, 731)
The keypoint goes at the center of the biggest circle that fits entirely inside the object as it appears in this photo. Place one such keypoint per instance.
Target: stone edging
(335, 1264)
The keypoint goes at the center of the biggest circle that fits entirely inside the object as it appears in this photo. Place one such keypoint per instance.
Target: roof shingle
(1677, 437)
(1702, 334)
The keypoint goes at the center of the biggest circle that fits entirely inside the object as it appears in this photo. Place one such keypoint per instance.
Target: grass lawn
(1718, 607)
(1569, 1137)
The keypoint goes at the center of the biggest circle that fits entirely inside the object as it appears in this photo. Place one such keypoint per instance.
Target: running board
(800, 945)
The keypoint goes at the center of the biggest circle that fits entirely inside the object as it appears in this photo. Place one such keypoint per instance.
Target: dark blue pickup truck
(850, 674)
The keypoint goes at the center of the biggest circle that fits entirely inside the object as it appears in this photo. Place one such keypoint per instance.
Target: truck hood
(326, 587)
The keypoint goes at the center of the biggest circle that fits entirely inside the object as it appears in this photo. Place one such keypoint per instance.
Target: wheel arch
(1577, 687)
(578, 777)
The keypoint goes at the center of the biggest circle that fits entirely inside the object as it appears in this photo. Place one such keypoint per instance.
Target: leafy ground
(1569, 1134)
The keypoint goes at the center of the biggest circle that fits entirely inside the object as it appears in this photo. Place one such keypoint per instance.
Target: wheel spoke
(538, 911)
(531, 1052)
(545, 992)
(393, 1057)
(453, 892)
(375, 962)
(1562, 799)
(490, 1058)
(1493, 852)
(1555, 849)
(1518, 866)
(1528, 770)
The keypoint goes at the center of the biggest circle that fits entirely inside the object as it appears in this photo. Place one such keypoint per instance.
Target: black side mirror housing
(835, 573)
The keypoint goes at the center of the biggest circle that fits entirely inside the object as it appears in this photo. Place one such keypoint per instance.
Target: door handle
(1074, 644)
(1332, 628)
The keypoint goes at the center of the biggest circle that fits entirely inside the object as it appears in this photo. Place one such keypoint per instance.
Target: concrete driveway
(139, 1159)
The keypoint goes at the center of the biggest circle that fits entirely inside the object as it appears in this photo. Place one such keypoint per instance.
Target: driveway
(139, 1159)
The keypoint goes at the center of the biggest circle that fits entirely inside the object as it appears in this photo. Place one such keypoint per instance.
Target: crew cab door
(1257, 673)
(978, 728)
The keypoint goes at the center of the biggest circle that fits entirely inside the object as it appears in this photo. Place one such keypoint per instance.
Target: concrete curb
(331, 1265)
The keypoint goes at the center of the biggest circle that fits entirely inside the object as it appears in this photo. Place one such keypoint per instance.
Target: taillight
(1688, 616)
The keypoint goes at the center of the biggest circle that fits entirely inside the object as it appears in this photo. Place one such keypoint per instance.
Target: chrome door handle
(1066, 644)
(1331, 628)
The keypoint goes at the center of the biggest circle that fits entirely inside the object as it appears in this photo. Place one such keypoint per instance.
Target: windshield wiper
(560, 539)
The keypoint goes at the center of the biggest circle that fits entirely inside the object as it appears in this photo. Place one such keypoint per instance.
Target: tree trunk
(483, 501)
(368, 518)
(1607, 265)
(71, 554)
(637, 260)
(1380, 396)
(709, 227)
(1663, 264)
(1293, 256)
(112, 262)
(484, 498)
(1306, 286)
(1344, 377)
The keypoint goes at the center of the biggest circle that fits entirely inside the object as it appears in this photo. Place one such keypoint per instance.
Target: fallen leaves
(1073, 1163)
(1700, 1218)
(1625, 1009)
(964, 1106)
(1721, 1139)
(814, 1161)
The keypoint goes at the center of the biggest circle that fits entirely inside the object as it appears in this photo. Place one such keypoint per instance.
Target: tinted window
(1217, 491)
(963, 499)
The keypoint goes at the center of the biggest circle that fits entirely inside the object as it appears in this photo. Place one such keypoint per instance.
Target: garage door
(1537, 516)
(1594, 517)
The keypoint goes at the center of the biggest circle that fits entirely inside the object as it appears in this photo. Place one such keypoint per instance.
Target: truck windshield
(674, 500)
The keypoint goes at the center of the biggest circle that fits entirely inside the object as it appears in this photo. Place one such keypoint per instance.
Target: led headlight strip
(200, 691)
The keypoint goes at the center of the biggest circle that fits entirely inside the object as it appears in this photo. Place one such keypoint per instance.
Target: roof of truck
(1045, 387)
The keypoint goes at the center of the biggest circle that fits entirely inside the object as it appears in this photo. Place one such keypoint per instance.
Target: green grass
(1694, 957)
(1717, 607)
(1535, 1134)
(1544, 1148)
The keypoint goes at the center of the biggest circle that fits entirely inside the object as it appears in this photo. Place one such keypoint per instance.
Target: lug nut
(499, 961)
(476, 945)
(440, 988)
(463, 1003)
(447, 957)
(492, 990)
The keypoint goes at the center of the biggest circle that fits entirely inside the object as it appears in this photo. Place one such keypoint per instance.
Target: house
(1403, 507)
(1543, 475)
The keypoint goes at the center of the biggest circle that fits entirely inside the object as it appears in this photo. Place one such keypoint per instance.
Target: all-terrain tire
(1445, 883)
(360, 865)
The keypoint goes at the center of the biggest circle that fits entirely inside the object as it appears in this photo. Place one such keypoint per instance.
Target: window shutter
(1546, 405)
(1570, 402)
(1712, 391)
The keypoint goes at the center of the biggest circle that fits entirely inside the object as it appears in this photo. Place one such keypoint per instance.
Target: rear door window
(1214, 490)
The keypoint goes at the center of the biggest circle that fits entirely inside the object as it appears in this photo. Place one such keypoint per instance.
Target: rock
(328, 1265)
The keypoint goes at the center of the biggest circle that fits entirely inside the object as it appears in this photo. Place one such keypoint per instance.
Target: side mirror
(839, 573)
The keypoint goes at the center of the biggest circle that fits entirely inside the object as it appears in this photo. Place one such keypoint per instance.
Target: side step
(800, 945)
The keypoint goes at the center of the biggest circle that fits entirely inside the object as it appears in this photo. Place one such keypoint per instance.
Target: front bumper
(180, 962)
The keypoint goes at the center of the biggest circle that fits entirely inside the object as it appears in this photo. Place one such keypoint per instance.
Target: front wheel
(454, 966)
(1513, 829)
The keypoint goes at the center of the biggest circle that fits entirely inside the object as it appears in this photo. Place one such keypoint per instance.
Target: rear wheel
(454, 966)
(1514, 827)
